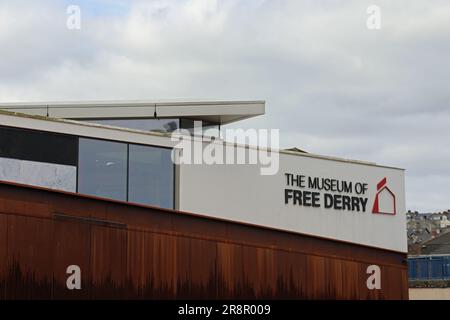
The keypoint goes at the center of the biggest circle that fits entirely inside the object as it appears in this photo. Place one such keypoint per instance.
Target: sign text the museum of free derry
(328, 193)
(332, 198)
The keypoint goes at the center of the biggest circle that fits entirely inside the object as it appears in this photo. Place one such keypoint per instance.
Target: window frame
(77, 138)
(174, 168)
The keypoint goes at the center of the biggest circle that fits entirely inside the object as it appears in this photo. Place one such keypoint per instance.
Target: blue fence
(429, 268)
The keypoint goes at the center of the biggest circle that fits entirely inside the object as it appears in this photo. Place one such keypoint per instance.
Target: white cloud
(332, 86)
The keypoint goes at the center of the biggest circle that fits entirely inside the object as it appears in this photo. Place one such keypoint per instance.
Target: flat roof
(62, 123)
(221, 112)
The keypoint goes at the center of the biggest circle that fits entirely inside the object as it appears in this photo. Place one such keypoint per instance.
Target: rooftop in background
(220, 112)
(438, 245)
(295, 149)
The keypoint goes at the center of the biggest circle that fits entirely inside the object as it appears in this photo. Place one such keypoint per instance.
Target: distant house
(444, 222)
(438, 245)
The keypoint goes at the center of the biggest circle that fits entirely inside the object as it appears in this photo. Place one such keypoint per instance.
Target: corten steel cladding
(131, 252)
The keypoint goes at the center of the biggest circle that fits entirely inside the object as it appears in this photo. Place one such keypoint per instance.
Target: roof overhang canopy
(221, 112)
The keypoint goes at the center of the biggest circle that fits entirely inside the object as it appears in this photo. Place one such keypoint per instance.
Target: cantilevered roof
(221, 112)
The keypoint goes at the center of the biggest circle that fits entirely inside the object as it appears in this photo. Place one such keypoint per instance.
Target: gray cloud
(331, 85)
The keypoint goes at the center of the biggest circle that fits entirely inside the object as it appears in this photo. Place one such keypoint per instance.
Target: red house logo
(384, 200)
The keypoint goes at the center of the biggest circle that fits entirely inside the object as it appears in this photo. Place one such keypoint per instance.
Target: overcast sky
(331, 85)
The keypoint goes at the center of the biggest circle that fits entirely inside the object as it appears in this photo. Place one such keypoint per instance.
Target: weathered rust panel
(137, 263)
(72, 242)
(3, 254)
(88, 208)
(30, 257)
(136, 219)
(13, 203)
(108, 262)
(164, 264)
(130, 251)
(349, 275)
(202, 264)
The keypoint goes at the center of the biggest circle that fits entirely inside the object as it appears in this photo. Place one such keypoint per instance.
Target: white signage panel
(340, 200)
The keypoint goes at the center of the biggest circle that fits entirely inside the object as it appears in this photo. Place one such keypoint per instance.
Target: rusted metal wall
(128, 251)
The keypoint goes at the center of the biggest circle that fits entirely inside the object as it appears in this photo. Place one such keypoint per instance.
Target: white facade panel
(46, 175)
(240, 193)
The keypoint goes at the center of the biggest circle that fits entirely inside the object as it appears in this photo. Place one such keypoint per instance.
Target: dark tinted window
(155, 125)
(38, 146)
(189, 124)
(151, 176)
(102, 168)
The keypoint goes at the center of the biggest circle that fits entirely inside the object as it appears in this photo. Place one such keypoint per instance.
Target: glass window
(151, 176)
(102, 168)
(211, 130)
(208, 128)
(38, 146)
(38, 158)
(155, 125)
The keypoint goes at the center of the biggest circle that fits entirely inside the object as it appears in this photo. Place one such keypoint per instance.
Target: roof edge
(159, 134)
